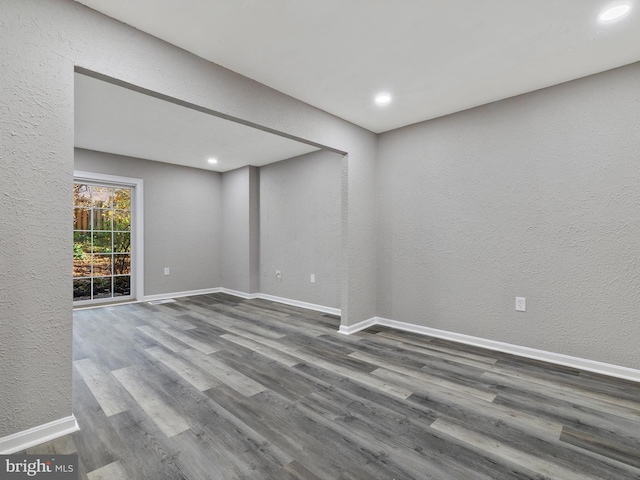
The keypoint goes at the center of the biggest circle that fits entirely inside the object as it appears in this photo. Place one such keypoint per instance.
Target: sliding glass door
(102, 242)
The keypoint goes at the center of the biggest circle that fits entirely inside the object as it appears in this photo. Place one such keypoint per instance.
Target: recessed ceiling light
(383, 99)
(614, 13)
(212, 161)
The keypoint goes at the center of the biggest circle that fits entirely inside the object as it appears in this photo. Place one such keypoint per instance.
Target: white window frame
(137, 231)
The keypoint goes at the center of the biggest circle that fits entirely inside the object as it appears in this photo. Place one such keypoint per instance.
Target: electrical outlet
(312, 278)
(278, 274)
(521, 304)
(166, 270)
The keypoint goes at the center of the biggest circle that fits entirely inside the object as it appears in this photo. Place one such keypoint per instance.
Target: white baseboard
(187, 293)
(285, 301)
(297, 303)
(37, 435)
(351, 329)
(237, 293)
(545, 356)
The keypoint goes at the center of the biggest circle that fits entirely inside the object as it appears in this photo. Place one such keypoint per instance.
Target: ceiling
(435, 57)
(113, 119)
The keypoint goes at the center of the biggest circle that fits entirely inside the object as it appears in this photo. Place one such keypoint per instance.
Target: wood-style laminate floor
(214, 387)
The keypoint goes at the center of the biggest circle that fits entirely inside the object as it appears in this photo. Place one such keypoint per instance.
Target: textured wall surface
(300, 207)
(182, 216)
(36, 162)
(254, 230)
(236, 230)
(536, 196)
(41, 42)
(359, 275)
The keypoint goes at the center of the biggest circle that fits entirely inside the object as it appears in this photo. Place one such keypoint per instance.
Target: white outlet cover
(521, 304)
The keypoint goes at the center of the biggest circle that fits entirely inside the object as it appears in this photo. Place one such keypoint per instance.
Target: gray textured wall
(41, 42)
(300, 202)
(536, 196)
(182, 215)
(36, 160)
(254, 229)
(239, 236)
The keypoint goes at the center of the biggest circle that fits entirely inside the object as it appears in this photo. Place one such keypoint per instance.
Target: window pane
(102, 287)
(122, 242)
(81, 219)
(82, 289)
(81, 244)
(122, 220)
(102, 197)
(102, 242)
(101, 219)
(102, 226)
(122, 199)
(81, 195)
(102, 265)
(82, 266)
(122, 264)
(121, 286)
